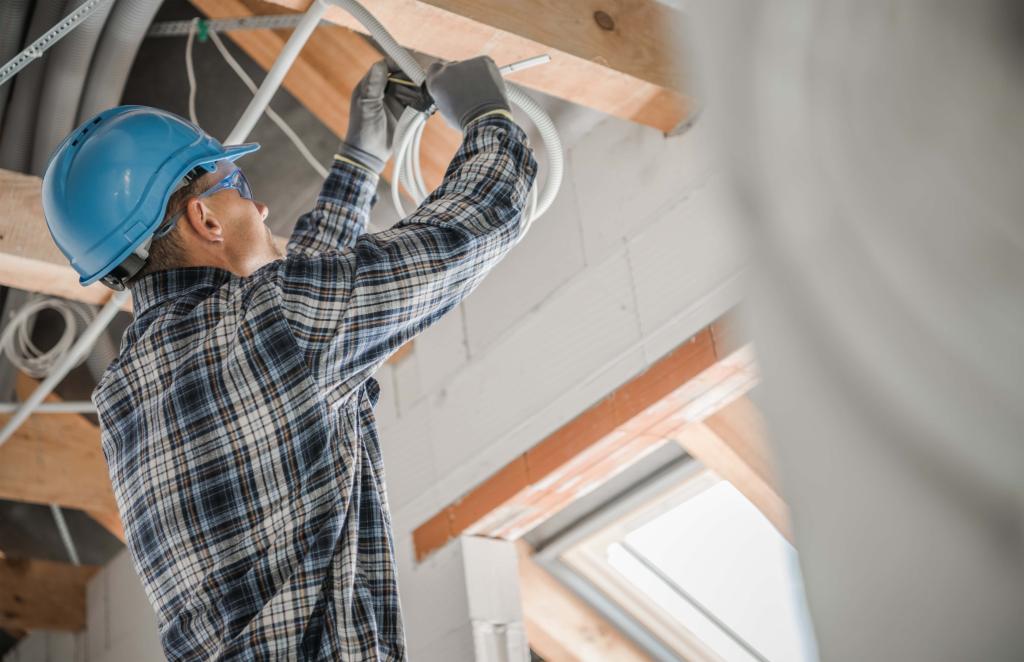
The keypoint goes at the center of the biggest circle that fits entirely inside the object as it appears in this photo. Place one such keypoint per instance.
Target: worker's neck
(240, 263)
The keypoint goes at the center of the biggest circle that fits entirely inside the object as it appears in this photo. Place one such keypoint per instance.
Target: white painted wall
(637, 254)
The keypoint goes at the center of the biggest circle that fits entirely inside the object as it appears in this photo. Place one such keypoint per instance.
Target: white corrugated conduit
(410, 128)
(14, 17)
(22, 113)
(119, 43)
(16, 340)
(66, 71)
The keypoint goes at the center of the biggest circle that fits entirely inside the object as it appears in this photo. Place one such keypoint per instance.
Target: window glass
(707, 572)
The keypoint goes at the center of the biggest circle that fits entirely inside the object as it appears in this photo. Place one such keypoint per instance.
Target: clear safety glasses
(235, 179)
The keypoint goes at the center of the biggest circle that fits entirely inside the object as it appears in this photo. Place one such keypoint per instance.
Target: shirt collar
(163, 286)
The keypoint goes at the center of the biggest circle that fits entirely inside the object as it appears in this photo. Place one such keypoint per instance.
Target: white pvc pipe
(65, 533)
(275, 76)
(70, 407)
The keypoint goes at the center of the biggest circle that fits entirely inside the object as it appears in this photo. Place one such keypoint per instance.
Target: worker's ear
(202, 221)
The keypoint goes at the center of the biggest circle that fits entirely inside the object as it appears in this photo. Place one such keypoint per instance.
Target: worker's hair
(168, 252)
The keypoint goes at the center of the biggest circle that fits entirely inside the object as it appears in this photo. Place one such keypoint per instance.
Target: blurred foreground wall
(875, 152)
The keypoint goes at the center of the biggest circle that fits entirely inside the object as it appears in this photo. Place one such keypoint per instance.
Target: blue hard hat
(107, 184)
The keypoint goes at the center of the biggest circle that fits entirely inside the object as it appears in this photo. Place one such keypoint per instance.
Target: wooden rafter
(30, 260)
(731, 443)
(615, 56)
(560, 626)
(42, 595)
(57, 458)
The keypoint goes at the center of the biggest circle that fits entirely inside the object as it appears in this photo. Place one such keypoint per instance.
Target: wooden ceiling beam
(29, 260)
(560, 626)
(731, 443)
(42, 595)
(57, 458)
(616, 56)
(685, 386)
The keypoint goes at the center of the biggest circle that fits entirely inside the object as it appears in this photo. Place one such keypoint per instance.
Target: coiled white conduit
(16, 340)
(410, 128)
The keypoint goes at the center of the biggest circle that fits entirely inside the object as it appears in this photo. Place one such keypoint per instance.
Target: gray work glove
(374, 112)
(465, 90)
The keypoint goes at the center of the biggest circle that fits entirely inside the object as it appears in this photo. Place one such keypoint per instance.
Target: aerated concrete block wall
(637, 254)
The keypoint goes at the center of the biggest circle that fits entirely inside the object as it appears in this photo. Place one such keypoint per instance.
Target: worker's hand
(465, 90)
(376, 107)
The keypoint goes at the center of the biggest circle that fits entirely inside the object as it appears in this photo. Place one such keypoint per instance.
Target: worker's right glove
(375, 109)
(465, 90)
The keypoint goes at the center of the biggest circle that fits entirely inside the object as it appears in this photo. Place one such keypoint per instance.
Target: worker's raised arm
(342, 210)
(349, 311)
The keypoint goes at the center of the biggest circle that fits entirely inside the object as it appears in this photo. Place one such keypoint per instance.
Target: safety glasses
(234, 180)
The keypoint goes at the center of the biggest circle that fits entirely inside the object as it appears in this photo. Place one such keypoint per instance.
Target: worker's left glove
(376, 107)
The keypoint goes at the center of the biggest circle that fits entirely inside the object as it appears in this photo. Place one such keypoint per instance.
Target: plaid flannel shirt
(237, 421)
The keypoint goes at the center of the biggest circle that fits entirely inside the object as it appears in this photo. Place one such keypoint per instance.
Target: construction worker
(237, 421)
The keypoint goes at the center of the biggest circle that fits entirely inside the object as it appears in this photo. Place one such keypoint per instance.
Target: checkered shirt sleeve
(351, 309)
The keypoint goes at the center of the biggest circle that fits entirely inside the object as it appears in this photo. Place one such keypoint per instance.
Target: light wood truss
(57, 458)
(739, 453)
(30, 260)
(560, 626)
(42, 595)
(620, 56)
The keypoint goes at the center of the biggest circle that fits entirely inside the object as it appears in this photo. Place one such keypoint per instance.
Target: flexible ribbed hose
(62, 88)
(410, 128)
(14, 16)
(23, 108)
(129, 20)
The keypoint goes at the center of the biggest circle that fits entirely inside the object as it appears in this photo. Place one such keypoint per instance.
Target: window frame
(571, 556)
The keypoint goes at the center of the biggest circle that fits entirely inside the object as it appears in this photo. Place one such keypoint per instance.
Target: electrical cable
(16, 340)
(277, 119)
(270, 112)
(190, 72)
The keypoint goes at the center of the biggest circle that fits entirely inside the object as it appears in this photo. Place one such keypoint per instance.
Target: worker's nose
(263, 209)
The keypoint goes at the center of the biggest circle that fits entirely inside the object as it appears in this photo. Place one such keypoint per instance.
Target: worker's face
(247, 243)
